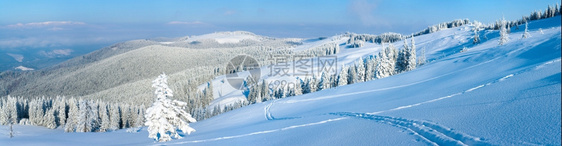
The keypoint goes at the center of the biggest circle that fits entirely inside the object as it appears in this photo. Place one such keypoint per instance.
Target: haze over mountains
(130, 63)
(469, 94)
(455, 83)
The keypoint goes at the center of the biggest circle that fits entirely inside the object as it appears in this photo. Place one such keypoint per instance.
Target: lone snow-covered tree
(526, 34)
(503, 32)
(476, 29)
(165, 117)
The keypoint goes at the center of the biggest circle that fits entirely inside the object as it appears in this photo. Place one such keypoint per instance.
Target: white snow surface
(226, 37)
(23, 68)
(488, 95)
(17, 57)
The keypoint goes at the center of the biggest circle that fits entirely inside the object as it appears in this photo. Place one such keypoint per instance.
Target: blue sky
(57, 23)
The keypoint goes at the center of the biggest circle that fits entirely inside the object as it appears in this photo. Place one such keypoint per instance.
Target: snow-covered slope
(224, 37)
(488, 94)
(17, 57)
(438, 44)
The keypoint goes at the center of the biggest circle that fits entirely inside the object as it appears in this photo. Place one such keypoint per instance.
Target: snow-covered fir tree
(360, 70)
(104, 116)
(476, 31)
(411, 56)
(14, 111)
(36, 111)
(342, 76)
(165, 117)
(125, 114)
(503, 32)
(370, 69)
(114, 117)
(386, 62)
(298, 88)
(280, 93)
(9, 114)
(264, 91)
(250, 88)
(83, 115)
(401, 61)
(324, 82)
(351, 75)
(306, 83)
(139, 120)
(526, 34)
(208, 94)
(4, 116)
(61, 110)
(88, 118)
(73, 114)
(49, 119)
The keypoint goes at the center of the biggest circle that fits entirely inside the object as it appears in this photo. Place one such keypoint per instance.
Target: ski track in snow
(427, 131)
(266, 109)
(259, 132)
(431, 133)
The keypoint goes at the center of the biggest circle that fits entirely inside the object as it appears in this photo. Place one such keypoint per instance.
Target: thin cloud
(55, 29)
(229, 12)
(56, 53)
(44, 24)
(365, 11)
(185, 23)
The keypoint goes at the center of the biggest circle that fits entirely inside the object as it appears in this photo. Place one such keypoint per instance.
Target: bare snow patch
(17, 57)
(227, 37)
(23, 68)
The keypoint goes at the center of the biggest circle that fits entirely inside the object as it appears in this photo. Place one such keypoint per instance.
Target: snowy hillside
(226, 37)
(120, 71)
(488, 94)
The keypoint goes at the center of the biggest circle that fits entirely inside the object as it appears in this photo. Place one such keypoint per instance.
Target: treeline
(71, 114)
(551, 11)
(392, 61)
(388, 62)
(109, 82)
(358, 40)
(441, 26)
(119, 73)
(198, 100)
